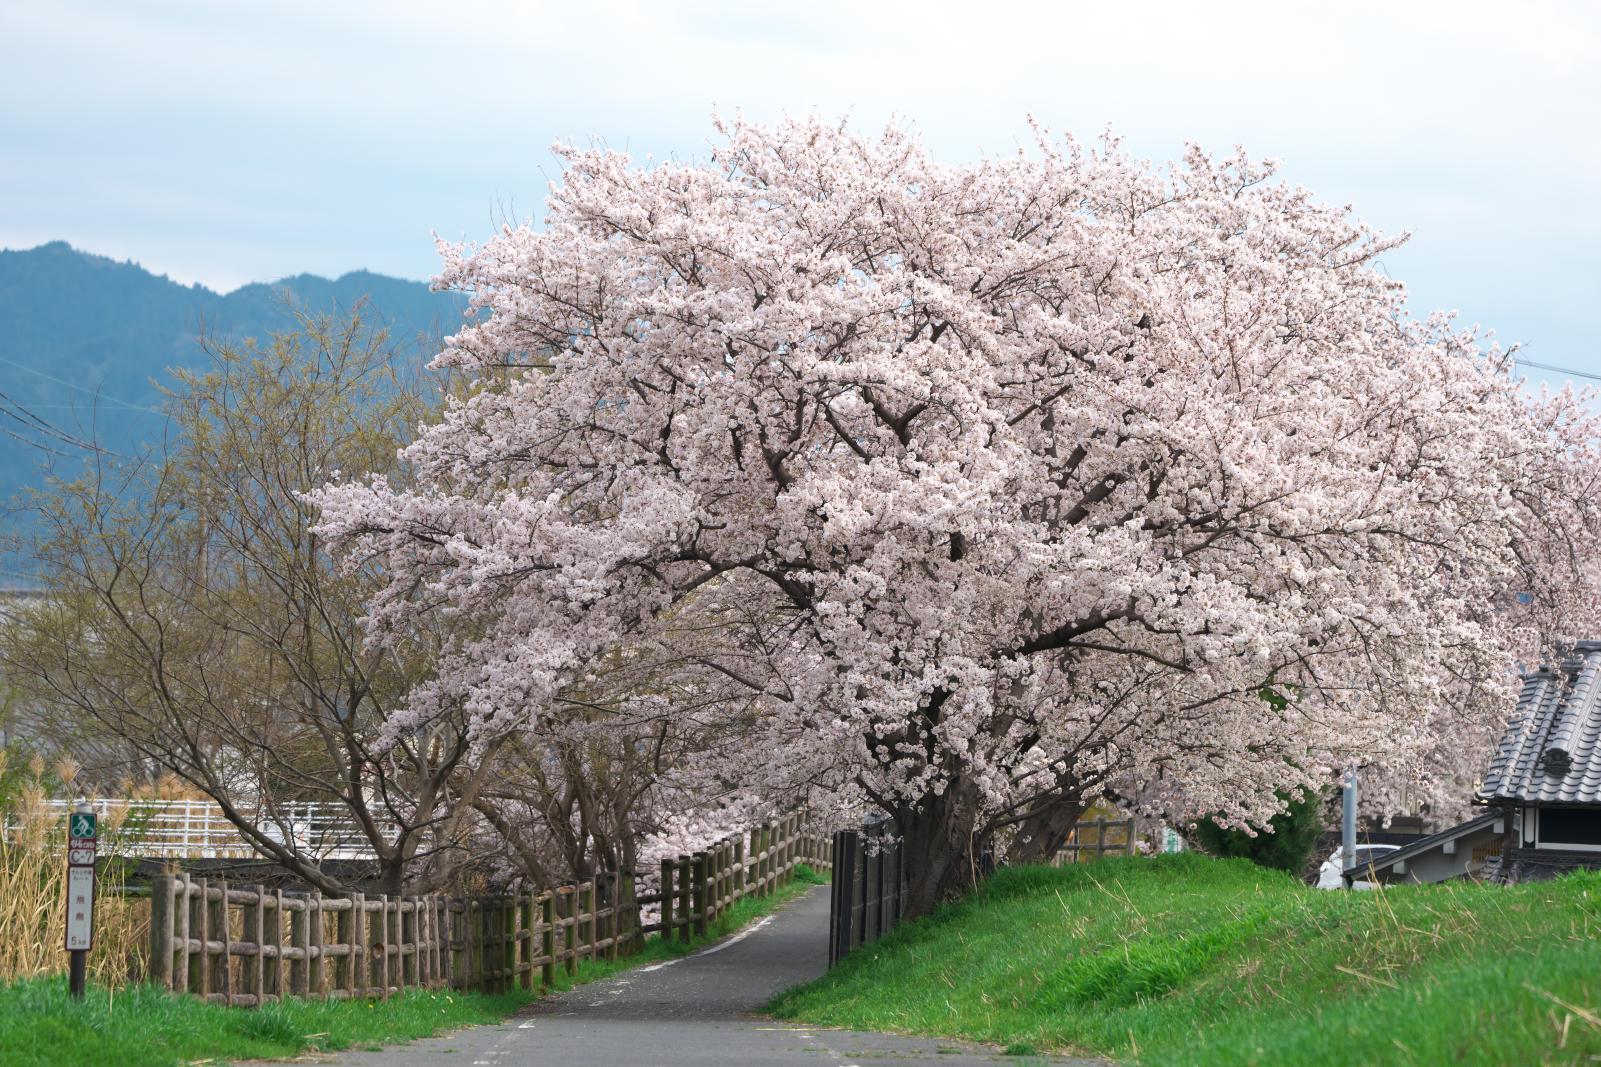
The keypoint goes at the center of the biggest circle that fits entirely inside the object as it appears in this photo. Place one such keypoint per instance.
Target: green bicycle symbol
(82, 825)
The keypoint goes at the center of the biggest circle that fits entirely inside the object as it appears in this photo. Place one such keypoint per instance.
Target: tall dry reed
(33, 894)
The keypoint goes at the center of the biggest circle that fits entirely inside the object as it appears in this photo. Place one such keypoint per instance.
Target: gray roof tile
(1551, 751)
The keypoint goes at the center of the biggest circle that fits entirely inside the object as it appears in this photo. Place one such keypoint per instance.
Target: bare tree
(193, 616)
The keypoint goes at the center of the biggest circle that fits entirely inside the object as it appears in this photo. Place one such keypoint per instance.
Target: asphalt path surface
(697, 1010)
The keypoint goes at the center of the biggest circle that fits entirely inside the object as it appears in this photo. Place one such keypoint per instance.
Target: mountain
(84, 341)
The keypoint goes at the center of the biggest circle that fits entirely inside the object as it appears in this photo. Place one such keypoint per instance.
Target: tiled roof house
(1543, 790)
(1546, 773)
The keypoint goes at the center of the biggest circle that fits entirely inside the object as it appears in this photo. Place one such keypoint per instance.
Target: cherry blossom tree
(1007, 484)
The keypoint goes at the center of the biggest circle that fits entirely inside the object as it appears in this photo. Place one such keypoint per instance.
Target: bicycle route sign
(82, 840)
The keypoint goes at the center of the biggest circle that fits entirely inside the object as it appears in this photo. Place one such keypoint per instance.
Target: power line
(13, 410)
(80, 388)
(1559, 370)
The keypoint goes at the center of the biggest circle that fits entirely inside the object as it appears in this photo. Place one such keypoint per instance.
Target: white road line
(736, 939)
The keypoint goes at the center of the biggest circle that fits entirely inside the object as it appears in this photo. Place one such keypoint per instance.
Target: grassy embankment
(1189, 960)
(137, 1026)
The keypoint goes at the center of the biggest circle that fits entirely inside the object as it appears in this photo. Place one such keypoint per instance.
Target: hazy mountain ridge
(84, 340)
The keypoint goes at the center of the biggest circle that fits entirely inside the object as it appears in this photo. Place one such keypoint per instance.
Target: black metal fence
(868, 884)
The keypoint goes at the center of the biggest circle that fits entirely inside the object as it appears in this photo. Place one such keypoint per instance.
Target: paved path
(699, 1010)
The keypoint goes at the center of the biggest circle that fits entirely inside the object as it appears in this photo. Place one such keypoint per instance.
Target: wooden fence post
(614, 882)
(667, 899)
(569, 928)
(183, 913)
(275, 980)
(428, 972)
(443, 957)
(775, 840)
(511, 913)
(468, 976)
(251, 969)
(436, 968)
(408, 941)
(393, 943)
(316, 937)
(353, 943)
(454, 910)
(758, 860)
(463, 942)
(584, 929)
(477, 971)
(714, 881)
(488, 955)
(525, 941)
(161, 931)
(685, 904)
(547, 945)
(699, 904)
(221, 929)
(343, 961)
(737, 874)
(300, 948)
(471, 934)
(630, 899)
(199, 923)
(381, 946)
(726, 897)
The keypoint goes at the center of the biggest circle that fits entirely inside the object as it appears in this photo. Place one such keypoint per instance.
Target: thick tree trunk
(942, 850)
(1042, 834)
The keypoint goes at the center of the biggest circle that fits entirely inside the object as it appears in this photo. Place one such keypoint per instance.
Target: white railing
(197, 829)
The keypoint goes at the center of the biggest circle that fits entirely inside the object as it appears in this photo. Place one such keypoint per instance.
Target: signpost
(82, 836)
(1348, 822)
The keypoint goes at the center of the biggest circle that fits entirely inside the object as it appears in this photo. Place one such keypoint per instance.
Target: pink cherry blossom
(983, 490)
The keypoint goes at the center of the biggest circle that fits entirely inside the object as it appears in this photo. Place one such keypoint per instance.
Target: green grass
(1188, 960)
(40, 1026)
(143, 1027)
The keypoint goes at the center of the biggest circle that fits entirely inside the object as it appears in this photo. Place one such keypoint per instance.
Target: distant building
(1546, 774)
(1543, 790)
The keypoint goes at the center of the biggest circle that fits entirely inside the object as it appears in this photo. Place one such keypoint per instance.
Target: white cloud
(358, 126)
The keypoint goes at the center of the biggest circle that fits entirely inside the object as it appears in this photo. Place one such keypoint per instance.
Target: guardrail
(197, 829)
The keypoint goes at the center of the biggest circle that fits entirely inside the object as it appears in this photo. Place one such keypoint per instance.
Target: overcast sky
(226, 143)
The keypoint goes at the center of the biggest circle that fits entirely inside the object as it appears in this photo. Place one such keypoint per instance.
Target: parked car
(1329, 876)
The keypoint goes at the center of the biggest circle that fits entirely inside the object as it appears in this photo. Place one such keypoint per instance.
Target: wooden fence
(1090, 840)
(695, 890)
(248, 945)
